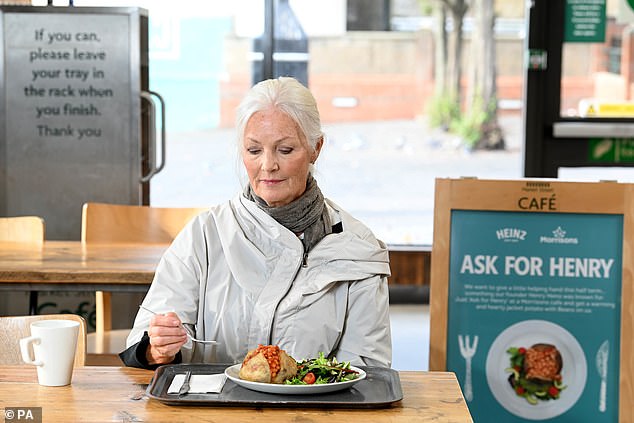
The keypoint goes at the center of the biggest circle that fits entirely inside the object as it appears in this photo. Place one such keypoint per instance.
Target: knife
(602, 368)
(185, 386)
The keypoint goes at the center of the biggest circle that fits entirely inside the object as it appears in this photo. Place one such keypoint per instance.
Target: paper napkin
(198, 384)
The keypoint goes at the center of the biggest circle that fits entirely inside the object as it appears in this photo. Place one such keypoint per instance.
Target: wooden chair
(13, 328)
(103, 222)
(22, 229)
(26, 229)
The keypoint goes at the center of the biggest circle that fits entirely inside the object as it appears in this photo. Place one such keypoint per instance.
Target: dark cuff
(134, 356)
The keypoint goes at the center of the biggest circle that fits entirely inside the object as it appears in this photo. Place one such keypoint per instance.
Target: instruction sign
(66, 72)
(71, 123)
(584, 21)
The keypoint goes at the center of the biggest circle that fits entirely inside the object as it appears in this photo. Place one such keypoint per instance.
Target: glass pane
(597, 79)
(373, 87)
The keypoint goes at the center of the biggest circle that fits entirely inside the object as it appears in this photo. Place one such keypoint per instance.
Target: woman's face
(277, 157)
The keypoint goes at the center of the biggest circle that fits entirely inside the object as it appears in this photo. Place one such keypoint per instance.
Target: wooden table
(75, 266)
(100, 394)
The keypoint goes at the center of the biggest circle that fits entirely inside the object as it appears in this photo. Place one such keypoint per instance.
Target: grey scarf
(307, 214)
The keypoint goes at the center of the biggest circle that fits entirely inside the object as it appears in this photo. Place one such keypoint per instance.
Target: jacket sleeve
(176, 285)
(134, 356)
(366, 339)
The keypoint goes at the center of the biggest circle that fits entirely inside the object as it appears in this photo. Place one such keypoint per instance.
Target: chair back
(14, 328)
(29, 229)
(103, 222)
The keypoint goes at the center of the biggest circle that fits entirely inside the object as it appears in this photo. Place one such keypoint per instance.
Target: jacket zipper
(305, 254)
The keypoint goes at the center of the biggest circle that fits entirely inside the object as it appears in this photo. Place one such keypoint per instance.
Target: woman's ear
(318, 146)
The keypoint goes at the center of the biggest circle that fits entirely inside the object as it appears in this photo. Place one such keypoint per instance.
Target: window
(373, 87)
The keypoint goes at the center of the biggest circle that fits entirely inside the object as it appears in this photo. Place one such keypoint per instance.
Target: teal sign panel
(544, 288)
(584, 21)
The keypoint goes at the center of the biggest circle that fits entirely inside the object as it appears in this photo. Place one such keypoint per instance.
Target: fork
(201, 341)
(467, 351)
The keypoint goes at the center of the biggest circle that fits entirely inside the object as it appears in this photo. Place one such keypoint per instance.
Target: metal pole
(268, 39)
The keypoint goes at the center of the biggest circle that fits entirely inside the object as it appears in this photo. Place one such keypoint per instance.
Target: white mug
(51, 347)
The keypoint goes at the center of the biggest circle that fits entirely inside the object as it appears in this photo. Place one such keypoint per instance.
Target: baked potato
(268, 364)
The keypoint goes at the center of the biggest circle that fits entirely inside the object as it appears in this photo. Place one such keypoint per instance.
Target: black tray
(380, 388)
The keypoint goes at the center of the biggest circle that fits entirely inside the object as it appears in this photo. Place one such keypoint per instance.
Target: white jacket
(237, 276)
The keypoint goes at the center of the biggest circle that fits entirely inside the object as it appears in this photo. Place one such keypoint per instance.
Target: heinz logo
(511, 234)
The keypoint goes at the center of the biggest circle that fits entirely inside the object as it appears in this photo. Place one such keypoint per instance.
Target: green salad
(322, 370)
(533, 391)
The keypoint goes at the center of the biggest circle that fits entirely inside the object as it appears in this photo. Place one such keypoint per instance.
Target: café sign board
(532, 272)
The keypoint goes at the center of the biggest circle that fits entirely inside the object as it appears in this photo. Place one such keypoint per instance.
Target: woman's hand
(167, 336)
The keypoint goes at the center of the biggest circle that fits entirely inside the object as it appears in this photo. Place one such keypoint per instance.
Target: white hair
(287, 95)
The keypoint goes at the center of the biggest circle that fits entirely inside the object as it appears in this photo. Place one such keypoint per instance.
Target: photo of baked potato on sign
(536, 372)
(536, 369)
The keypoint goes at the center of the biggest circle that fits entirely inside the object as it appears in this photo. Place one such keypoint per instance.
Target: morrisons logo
(559, 237)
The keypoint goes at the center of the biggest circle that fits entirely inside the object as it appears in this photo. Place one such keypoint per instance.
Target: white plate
(276, 388)
(525, 334)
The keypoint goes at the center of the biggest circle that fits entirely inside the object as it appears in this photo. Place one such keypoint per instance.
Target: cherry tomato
(519, 390)
(521, 350)
(553, 392)
(309, 379)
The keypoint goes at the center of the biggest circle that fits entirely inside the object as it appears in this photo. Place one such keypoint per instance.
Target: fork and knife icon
(602, 369)
(468, 350)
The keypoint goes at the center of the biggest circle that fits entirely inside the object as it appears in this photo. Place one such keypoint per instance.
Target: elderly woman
(278, 264)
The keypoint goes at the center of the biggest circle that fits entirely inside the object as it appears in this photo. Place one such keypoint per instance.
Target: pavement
(382, 172)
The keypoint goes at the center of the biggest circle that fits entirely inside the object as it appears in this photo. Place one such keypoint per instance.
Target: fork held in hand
(467, 351)
(189, 335)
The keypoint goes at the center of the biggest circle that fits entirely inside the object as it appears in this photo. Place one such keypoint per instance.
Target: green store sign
(611, 150)
(584, 21)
